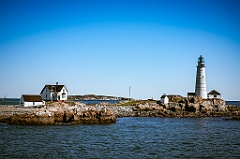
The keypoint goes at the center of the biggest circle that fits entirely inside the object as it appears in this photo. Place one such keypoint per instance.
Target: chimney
(56, 86)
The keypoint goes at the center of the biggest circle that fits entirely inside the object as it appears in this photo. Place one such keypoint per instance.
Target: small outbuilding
(214, 94)
(31, 100)
(164, 99)
(191, 94)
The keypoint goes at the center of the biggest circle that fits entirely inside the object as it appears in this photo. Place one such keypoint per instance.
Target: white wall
(61, 96)
(46, 94)
(212, 96)
(164, 100)
(30, 104)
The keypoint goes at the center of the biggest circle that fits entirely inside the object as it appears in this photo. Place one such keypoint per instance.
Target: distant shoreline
(15, 101)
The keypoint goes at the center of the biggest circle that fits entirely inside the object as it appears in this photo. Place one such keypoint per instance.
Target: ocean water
(237, 103)
(135, 137)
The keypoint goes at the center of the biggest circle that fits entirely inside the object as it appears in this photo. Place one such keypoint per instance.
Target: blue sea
(237, 103)
(132, 138)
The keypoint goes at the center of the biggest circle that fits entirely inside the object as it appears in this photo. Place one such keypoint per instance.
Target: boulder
(204, 108)
(206, 102)
(232, 108)
(122, 111)
(222, 108)
(233, 118)
(218, 101)
(195, 99)
(192, 107)
(93, 116)
(58, 113)
(175, 107)
(31, 119)
(176, 98)
(58, 116)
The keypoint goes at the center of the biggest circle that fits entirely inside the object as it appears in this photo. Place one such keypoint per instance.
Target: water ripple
(128, 138)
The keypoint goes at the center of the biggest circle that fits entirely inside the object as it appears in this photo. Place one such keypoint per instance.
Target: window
(215, 96)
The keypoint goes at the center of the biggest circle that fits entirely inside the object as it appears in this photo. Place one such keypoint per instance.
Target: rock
(206, 103)
(104, 116)
(192, 107)
(196, 99)
(78, 113)
(233, 118)
(218, 101)
(58, 116)
(204, 108)
(31, 119)
(222, 108)
(182, 106)
(58, 113)
(232, 108)
(148, 109)
(176, 98)
(175, 107)
(122, 111)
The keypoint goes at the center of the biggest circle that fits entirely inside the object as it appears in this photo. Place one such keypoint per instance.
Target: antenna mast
(129, 92)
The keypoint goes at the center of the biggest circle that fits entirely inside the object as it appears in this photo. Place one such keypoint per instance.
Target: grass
(133, 102)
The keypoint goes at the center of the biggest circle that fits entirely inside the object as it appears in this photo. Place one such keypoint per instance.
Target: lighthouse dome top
(201, 59)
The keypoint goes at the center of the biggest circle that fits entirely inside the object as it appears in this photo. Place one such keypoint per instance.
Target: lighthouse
(200, 88)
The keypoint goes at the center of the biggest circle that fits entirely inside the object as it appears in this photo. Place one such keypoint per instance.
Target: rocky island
(57, 113)
(79, 113)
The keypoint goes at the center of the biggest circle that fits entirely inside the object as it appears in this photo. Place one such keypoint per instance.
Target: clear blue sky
(103, 47)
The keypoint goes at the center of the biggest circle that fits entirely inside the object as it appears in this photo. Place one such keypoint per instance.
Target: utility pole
(129, 92)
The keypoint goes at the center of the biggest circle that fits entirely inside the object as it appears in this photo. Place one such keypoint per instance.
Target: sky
(106, 46)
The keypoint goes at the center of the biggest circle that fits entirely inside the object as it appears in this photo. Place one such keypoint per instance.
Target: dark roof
(163, 96)
(32, 98)
(172, 95)
(191, 94)
(214, 92)
(54, 88)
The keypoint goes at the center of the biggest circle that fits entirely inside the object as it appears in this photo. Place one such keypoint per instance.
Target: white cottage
(214, 94)
(164, 99)
(54, 92)
(31, 100)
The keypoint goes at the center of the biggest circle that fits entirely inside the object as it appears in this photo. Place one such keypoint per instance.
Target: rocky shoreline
(79, 113)
(56, 113)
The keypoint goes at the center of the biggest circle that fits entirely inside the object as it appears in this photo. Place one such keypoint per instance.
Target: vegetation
(94, 97)
(9, 101)
(134, 102)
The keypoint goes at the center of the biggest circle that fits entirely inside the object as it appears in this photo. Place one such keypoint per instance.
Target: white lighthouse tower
(200, 88)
